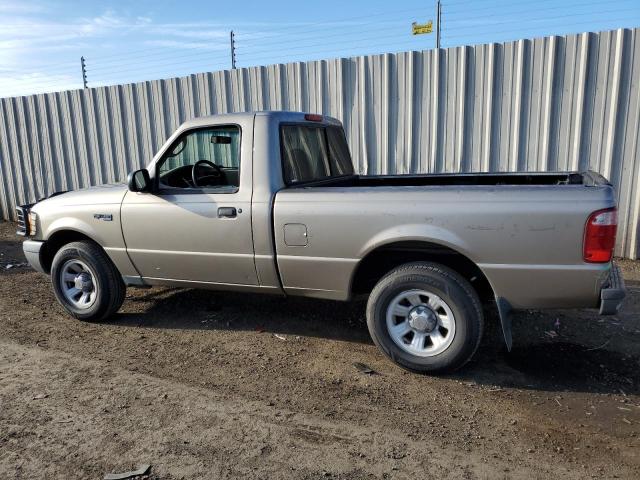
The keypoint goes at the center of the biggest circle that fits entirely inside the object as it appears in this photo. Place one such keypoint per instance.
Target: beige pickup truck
(268, 202)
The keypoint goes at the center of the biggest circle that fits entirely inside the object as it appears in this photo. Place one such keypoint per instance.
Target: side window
(207, 157)
(305, 155)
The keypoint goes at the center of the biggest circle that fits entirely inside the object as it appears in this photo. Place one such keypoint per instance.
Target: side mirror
(139, 181)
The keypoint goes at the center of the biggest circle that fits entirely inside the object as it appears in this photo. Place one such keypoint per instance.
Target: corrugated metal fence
(555, 103)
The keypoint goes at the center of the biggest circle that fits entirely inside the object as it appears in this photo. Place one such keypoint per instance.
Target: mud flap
(504, 310)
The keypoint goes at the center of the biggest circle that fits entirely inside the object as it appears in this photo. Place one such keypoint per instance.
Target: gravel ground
(220, 385)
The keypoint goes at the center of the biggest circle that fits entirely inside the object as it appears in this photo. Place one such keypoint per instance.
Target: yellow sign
(419, 29)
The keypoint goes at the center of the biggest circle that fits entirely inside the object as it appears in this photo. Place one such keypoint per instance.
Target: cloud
(20, 7)
(24, 33)
(40, 48)
(16, 84)
(110, 21)
(21, 32)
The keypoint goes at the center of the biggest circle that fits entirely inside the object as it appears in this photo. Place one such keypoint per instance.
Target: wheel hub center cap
(422, 319)
(83, 282)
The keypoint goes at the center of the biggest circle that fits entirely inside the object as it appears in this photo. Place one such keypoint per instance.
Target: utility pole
(438, 22)
(84, 72)
(233, 50)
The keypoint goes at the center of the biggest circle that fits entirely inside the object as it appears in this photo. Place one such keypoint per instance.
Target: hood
(99, 195)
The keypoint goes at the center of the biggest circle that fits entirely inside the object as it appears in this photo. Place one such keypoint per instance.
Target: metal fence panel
(554, 103)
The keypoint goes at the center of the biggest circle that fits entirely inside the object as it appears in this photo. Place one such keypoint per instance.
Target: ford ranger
(269, 202)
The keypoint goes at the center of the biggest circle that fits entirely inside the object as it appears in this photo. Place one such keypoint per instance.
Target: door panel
(181, 237)
(196, 228)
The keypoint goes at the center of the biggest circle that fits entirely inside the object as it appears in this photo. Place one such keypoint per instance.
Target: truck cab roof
(280, 116)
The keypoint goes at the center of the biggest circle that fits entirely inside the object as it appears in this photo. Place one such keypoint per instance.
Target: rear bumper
(32, 250)
(613, 293)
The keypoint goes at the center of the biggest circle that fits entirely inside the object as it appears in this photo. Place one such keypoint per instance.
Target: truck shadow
(207, 310)
(553, 351)
(565, 350)
(556, 367)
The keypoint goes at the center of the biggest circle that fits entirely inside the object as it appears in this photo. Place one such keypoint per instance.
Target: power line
(42, 88)
(323, 36)
(46, 82)
(355, 29)
(101, 81)
(332, 22)
(38, 85)
(535, 10)
(166, 53)
(538, 19)
(198, 55)
(39, 80)
(499, 5)
(253, 52)
(108, 82)
(350, 48)
(242, 56)
(463, 2)
(340, 42)
(299, 44)
(49, 71)
(157, 68)
(455, 26)
(153, 65)
(154, 48)
(280, 29)
(566, 31)
(505, 10)
(58, 65)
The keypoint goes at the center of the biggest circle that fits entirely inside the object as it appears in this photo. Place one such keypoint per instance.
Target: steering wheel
(217, 175)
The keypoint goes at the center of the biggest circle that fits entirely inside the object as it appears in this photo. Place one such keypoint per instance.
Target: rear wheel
(425, 317)
(85, 281)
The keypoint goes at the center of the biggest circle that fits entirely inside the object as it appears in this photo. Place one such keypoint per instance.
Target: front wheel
(85, 281)
(425, 317)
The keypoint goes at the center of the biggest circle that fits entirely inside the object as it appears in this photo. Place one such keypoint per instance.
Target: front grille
(23, 220)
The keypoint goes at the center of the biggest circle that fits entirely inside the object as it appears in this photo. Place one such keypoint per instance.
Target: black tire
(453, 289)
(109, 288)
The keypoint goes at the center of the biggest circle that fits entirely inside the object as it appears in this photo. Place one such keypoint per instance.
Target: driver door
(196, 225)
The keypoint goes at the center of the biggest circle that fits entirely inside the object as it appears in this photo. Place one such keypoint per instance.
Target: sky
(128, 41)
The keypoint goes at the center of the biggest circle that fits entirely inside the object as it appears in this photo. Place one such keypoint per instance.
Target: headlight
(33, 221)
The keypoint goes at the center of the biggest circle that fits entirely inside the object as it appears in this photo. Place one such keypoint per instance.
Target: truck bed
(521, 230)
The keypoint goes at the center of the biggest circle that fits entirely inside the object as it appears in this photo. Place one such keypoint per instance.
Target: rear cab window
(313, 153)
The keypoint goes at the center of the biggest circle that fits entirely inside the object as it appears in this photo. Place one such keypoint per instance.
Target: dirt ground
(202, 384)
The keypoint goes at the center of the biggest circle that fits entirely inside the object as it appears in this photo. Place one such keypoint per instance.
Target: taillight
(313, 117)
(600, 236)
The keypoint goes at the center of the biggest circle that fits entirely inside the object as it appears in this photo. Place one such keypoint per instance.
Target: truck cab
(214, 183)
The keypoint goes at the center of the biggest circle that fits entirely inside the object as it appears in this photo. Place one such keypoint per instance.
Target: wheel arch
(59, 239)
(382, 259)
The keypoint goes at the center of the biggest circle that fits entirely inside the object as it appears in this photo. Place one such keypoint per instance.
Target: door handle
(227, 212)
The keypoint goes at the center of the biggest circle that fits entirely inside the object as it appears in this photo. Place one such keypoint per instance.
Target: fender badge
(103, 216)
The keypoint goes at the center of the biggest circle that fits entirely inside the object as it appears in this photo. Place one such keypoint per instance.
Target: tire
(425, 300)
(85, 267)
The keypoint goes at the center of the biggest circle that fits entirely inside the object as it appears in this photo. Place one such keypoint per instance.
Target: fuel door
(295, 235)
